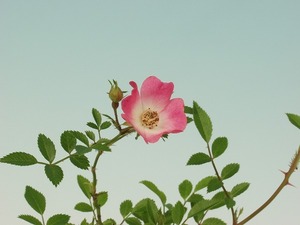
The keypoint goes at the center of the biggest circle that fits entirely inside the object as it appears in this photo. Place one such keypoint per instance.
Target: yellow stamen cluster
(150, 118)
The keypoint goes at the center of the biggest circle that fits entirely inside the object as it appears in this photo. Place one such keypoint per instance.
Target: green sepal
(102, 198)
(239, 189)
(97, 116)
(81, 150)
(54, 174)
(81, 161)
(214, 184)
(30, 219)
(229, 170)
(81, 137)
(203, 183)
(90, 135)
(84, 185)
(219, 146)
(105, 125)
(19, 159)
(202, 122)
(68, 141)
(46, 147)
(185, 188)
(213, 221)
(58, 219)
(125, 208)
(133, 221)
(35, 199)
(198, 159)
(154, 189)
(294, 119)
(83, 207)
(178, 212)
(188, 110)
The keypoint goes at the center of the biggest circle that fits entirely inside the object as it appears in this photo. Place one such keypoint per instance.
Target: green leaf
(101, 146)
(68, 141)
(105, 125)
(178, 212)
(140, 210)
(125, 208)
(83, 207)
(81, 150)
(154, 189)
(213, 221)
(84, 185)
(108, 222)
(203, 183)
(201, 207)
(229, 170)
(46, 147)
(54, 174)
(133, 221)
(214, 184)
(81, 161)
(102, 198)
(185, 189)
(294, 119)
(152, 211)
(97, 116)
(194, 198)
(239, 189)
(81, 137)
(220, 199)
(90, 135)
(19, 159)
(92, 125)
(30, 219)
(219, 146)
(202, 122)
(35, 199)
(198, 159)
(59, 219)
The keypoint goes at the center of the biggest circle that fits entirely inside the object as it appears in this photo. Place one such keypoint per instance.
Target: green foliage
(92, 125)
(146, 210)
(203, 183)
(105, 125)
(125, 208)
(97, 116)
(109, 222)
(202, 122)
(35, 199)
(294, 119)
(229, 170)
(30, 219)
(68, 141)
(19, 159)
(59, 219)
(201, 206)
(90, 135)
(81, 150)
(178, 212)
(54, 174)
(214, 184)
(198, 159)
(185, 189)
(81, 161)
(219, 146)
(213, 221)
(133, 221)
(153, 188)
(84, 185)
(46, 147)
(102, 198)
(101, 145)
(83, 207)
(239, 189)
(81, 137)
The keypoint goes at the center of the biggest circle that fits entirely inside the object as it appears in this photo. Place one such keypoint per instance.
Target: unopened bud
(115, 94)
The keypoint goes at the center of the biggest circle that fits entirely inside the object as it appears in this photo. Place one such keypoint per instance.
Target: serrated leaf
(198, 159)
(185, 189)
(178, 212)
(97, 116)
(59, 219)
(102, 198)
(92, 125)
(201, 207)
(83, 207)
(90, 135)
(19, 159)
(35, 199)
(154, 189)
(105, 125)
(140, 210)
(152, 211)
(202, 122)
(214, 184)
(81, 161)
(68, 141)
(239, 189)
(294, 119)
(220, 199)
(54, 174)
(194, 198)
(203, 183)
(219, 146)
(30, 219)
(46, 147)
(109, 222)
(229, 170)
(133, 221)
(81, 150)
(229, 202)
(81, 137)
(213, 221)
(101, 146)
(125, 208)
(84, 185)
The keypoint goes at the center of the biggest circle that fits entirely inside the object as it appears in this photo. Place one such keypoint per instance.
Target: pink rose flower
(151, 112)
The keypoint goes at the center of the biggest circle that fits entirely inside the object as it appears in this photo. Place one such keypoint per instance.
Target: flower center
(150, 118)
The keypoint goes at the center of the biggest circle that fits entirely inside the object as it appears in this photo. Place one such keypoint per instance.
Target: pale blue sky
(238, 59)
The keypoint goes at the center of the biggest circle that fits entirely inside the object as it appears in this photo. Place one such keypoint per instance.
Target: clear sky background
(238, 59)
